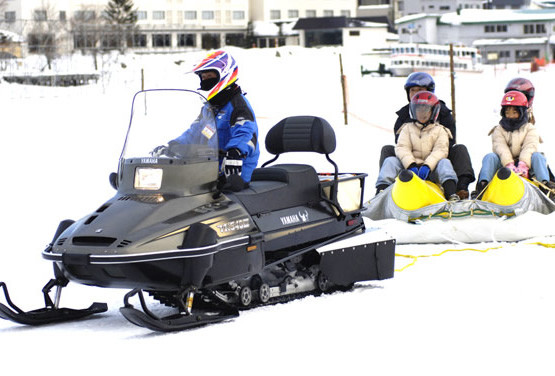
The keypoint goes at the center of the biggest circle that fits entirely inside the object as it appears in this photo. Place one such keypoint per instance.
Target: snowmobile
(411, 200)
(199, 251)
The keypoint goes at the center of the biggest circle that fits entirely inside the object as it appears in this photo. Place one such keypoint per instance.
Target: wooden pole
(452, 69)
(142, 79)
(344, 90)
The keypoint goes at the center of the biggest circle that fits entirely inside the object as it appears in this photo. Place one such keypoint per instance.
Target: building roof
(8, 36)
(513, 41)
(480, 16)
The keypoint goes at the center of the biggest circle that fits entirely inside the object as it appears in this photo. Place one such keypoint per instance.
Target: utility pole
(452, 71)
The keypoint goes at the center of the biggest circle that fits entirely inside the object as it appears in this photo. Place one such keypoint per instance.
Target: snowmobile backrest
(301, 133)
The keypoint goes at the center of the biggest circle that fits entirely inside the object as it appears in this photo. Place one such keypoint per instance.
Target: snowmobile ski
(47, 315)
(185, 319)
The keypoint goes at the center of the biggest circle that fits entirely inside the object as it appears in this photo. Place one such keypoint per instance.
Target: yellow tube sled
(411, 193)
(506, 188)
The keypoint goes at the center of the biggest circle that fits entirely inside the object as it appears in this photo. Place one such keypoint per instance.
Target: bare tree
(45, 32)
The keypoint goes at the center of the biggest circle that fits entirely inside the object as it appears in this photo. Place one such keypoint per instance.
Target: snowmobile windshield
(171, 125)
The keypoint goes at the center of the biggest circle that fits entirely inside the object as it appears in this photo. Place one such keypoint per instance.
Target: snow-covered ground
(468, 312)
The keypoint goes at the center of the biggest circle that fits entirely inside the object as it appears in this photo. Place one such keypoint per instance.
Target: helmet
(424, 107)
(514, 98)
(524, 86)
(226, 68)
(518, 100)
(420, 79)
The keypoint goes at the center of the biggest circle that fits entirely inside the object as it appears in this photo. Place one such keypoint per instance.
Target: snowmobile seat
(279, 187)
(288, 185)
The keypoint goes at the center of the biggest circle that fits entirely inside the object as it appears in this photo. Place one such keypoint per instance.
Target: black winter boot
(450, 190)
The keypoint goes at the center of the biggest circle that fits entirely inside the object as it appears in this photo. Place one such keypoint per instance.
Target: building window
(328, 12)
(489, 28)
(207, 15)
(40, 15)
(505, 54)
(293, 13)
(238, 15)
(235, 39)
(346, 13)
(534, 29)
(190, 14)
(141, 15)
(84, 15)
(139, 40)
(310, 13)
(526, 55)
(40, 42)
(161, 40)
(501, 28)
(82, 40)
(275, 14)
(186, 40)
(9, 16)
(444, 7)
(354, 33)
(158, 15)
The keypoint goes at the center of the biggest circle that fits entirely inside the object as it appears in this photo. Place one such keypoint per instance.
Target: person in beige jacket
(515, 144)
(422, 147)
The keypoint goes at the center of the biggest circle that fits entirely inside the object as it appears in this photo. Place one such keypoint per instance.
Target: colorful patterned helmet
(226, 68)
(424, 103)
(524, 86)
(421, 79)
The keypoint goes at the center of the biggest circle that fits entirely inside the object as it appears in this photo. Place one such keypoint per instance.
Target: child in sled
(515, 143)
(422, 147)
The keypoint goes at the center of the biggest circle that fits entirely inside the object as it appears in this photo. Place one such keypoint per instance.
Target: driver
(235, 121)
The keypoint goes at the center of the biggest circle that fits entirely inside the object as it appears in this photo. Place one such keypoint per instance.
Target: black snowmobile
(203, 252)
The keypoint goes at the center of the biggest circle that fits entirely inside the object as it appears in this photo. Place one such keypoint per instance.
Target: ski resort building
(502, 35)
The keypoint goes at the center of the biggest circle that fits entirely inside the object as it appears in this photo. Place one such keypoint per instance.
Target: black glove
(165, 150)
(159, 150)
(233, 162)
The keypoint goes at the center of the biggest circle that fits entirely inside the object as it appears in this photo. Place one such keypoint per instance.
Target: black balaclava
(511, 125)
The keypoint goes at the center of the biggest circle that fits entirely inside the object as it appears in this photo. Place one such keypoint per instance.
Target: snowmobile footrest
(47, 315)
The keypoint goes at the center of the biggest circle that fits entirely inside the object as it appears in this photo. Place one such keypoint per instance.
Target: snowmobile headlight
(148, 178)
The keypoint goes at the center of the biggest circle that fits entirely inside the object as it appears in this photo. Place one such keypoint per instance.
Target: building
(409, 7)
(66, 25)
(503, 36)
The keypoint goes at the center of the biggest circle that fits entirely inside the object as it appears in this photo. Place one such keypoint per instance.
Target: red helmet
(524, 86)
(424, 107)
(517, 100)
(514, 98)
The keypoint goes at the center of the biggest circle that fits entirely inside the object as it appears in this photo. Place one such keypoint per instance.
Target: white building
(408, 7)
(502, 35)
(163, 25)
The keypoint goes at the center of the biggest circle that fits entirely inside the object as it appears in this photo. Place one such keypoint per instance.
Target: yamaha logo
(294, 218)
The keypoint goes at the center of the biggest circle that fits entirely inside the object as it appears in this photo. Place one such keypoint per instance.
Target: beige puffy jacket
(519, 144)
(422, 145)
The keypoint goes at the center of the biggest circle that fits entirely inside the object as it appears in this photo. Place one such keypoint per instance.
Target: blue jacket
(237, 128)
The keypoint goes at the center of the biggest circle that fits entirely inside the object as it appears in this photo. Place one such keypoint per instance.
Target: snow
(463, 312)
